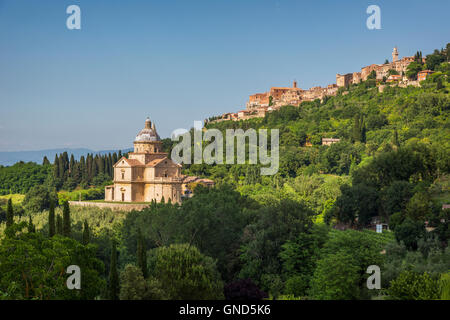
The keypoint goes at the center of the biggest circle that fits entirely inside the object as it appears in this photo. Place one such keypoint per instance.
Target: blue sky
(180, 61)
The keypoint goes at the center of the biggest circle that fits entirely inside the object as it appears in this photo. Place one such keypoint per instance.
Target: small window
(123, 176)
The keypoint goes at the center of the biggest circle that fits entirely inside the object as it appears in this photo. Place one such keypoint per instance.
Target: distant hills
(11, 157)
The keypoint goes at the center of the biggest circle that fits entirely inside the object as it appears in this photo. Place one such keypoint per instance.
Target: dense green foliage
(33, 266)
(20, 177)
(187, 274)
(304, 233)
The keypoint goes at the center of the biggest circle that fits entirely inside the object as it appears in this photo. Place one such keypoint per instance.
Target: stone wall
(113, 206)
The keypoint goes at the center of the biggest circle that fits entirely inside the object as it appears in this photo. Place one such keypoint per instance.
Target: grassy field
(16, 198)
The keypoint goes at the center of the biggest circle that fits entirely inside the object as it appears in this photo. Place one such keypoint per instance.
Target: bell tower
(395, 55)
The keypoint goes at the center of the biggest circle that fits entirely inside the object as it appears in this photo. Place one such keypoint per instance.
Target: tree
(213, 221)
(263, 239)
(9, 214)
(113, 283)
(142, 255)
(412, 70)
(336, 278)
(66, 220)
(59, 225)
(341, 271)
(51, 220)
(299, 257)
(186, 274)
(445, 286)
(133, 286)
(357, 203)
(372, 75)
(434, 60)
(359, 129)
(395, 141)
(396, 196)
(409, 232)
(2, 215)
(38, 198)
(244, 289)
(31, 227)
(411, 285)
(33, 267)
(86, 233)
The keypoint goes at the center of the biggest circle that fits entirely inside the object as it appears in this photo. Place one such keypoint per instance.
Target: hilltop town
(393, 73)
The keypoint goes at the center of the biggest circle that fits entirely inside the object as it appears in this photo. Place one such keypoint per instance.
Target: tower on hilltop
(395, 55)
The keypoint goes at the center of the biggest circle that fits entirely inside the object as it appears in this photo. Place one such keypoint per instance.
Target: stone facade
(329, 141)
(260, 104)
(147, 174)
(381, 70)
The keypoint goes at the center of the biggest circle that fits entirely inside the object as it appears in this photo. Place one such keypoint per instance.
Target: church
(147, 174)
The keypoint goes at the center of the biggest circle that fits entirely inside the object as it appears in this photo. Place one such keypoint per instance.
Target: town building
(260, 104)
(381, 70)
(329, 141)
(422, 75)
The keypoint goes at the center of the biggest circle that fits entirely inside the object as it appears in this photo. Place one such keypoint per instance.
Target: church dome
(148, 134)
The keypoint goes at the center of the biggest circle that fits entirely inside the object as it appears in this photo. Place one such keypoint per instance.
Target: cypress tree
(86, 233)
(113, 284)
(141, 255)
(45, 161)
(71, 165)
(76, 175)
(59, 225)
(356, 134)
(396, 142)
(66, 220)
(110, 165)
(363, 130)
(82, 169)
(61, 169)
(88, 168)
(9, 214)
(31, 228)
(51, 219)
(94, 168)
(56, 167)
(65, 157)
(359, 129)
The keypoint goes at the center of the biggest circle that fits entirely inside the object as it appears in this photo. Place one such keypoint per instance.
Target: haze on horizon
(178, 61)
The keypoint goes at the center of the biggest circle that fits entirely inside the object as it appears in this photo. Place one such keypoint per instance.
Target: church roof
(148, 134)
(156, 162)
(131, 162)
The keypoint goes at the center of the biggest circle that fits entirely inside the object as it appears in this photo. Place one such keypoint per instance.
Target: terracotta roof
(155, 162)
(206, 181)
(131, 162)
(189, 179)
(134, 162)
